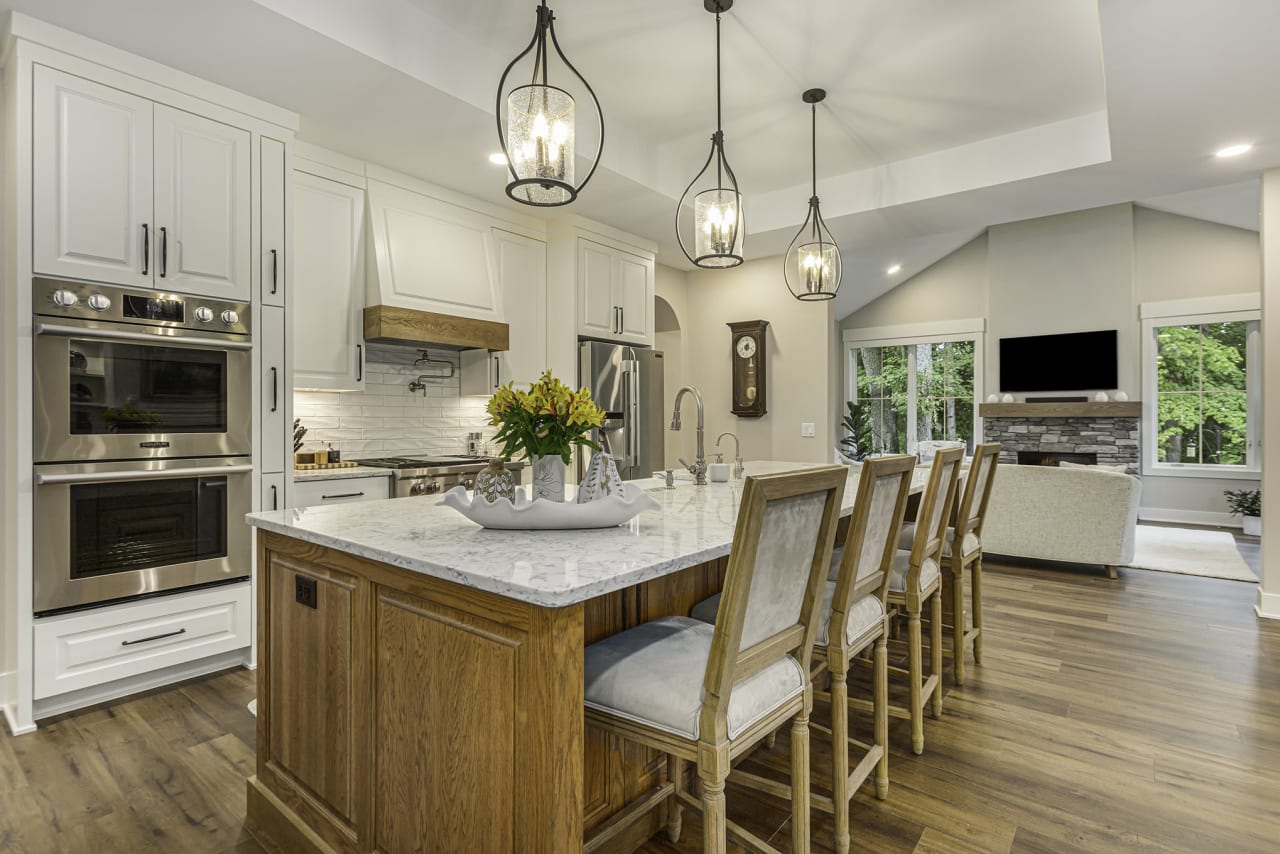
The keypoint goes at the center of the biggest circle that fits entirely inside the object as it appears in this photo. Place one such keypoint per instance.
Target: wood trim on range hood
(385, 324)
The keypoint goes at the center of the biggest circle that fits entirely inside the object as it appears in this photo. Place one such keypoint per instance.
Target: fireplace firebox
(1053, 458)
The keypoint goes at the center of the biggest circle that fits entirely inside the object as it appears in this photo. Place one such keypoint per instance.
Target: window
(1203, 395)
(902, 394)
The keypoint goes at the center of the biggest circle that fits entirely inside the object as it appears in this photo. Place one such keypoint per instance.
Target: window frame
(1245, 308)
(909, 335)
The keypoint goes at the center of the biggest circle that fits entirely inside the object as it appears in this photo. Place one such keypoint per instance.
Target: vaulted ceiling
(942, 118)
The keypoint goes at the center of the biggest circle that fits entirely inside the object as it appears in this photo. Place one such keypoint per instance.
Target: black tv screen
(1077, 361)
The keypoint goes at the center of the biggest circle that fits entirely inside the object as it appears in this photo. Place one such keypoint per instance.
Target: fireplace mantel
(1091, 409)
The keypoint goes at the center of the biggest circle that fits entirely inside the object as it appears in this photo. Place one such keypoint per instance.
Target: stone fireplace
(1046, 433)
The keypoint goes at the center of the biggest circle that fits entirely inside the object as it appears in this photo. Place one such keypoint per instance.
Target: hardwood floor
(1109, 716)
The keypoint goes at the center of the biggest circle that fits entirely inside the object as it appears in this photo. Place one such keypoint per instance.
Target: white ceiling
(943, 118)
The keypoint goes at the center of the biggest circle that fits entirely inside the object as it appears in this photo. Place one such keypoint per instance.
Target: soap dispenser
(718, 471)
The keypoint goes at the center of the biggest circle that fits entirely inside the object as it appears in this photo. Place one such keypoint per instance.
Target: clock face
(746, 346)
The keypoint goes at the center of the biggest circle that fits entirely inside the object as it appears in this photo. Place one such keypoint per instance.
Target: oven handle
(43, 479)
(121, 335)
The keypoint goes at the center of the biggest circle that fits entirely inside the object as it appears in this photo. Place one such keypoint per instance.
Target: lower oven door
(111, 531)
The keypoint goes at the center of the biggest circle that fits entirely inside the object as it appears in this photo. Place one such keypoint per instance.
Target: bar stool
(965, 529)
(915, 580)
(706, 693)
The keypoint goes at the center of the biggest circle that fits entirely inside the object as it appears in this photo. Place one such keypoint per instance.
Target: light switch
(806, 429)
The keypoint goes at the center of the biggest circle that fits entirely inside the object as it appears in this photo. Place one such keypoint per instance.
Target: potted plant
(1248, 504)
(545, 424)
(857, 424)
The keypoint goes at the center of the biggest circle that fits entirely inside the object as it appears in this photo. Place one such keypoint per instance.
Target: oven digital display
(149, 308)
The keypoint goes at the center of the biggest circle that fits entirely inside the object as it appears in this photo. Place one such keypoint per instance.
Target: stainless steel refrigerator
(626, 382)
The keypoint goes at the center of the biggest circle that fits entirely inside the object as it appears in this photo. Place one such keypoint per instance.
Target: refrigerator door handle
(633, 415)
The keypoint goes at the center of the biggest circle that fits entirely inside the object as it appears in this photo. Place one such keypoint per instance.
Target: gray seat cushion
(866, 615)
(971, 543)
(653, 675)
(902, 563)
(706, 610)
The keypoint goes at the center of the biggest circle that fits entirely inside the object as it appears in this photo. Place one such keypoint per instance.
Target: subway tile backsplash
(386, 419)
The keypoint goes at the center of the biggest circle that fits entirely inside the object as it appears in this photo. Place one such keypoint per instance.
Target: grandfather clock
(749, 398)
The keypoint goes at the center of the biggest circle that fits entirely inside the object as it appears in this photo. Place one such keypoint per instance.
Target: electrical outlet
(807, 430)
(304, 591)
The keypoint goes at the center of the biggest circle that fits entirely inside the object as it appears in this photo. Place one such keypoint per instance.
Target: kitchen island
(420, 678)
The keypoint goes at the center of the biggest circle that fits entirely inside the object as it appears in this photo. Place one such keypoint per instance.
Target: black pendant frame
(814, 229)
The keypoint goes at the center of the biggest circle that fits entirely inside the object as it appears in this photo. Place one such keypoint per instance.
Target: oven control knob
(65, 299)
(230, 318)
(204, 314)
(99, 302)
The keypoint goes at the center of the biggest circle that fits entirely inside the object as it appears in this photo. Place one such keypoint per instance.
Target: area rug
(1190, 551)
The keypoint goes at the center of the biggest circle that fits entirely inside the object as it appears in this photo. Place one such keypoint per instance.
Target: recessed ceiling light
(498, 158)
(1233, 150)
(894, 270)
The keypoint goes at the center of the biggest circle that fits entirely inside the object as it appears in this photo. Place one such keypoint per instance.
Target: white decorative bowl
(1100, 397)
(1120, 395)
(543, 515)
(1006, 398)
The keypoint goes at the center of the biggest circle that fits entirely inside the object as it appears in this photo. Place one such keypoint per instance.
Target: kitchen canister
(495, 481)
(601, 480)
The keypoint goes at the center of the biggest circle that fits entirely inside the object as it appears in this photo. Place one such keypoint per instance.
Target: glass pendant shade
(540, 144)
(812, 265)
(539, 132)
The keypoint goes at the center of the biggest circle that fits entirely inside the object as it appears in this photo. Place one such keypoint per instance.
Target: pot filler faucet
(738, 468)
(699, 467)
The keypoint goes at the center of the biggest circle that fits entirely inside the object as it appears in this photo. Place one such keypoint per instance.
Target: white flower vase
(548, 478)
(1253, 526)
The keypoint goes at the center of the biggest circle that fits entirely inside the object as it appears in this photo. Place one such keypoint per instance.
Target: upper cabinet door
(597, 311)
(328, 274)
(272, 251)
(633, 293)
(91, 181)
(522, 270)
(431, 255)
(202, 204)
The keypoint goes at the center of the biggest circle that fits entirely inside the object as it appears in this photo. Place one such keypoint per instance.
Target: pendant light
(717, 229)
(812, 264)
(541, 133)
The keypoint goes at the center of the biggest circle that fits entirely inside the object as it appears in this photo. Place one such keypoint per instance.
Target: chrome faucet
(699, 467)
(738, 468)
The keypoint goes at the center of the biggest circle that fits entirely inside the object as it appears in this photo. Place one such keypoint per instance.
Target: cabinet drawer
(77, 651)
(307, 493)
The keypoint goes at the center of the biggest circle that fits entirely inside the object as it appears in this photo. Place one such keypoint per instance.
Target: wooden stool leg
(840, 752)
(714, 832)
(800, 783)
(675, 813)
(882, 716)
(935, 648)
(771, 740)
(977, 610)
(958, 617)
(915, 673)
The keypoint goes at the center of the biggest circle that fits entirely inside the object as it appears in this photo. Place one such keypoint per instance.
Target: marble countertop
(545, 568)
(340, 474)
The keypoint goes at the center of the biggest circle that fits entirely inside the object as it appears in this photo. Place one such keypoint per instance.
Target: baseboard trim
(74, 700)
(11, 720)
(1268, 607)
(1189, 517)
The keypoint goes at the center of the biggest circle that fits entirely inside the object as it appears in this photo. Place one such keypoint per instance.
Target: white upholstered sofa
(1079, 515)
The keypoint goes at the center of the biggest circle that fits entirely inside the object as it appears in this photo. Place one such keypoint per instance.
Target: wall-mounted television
(1076, 361)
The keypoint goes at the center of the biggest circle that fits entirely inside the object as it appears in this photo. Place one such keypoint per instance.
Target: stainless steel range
(433, 475)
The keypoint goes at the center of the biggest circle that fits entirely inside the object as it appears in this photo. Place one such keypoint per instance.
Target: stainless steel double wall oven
(142, 437)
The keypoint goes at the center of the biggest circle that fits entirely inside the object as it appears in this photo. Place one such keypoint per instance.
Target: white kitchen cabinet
(271, 253)
(310, 493)
(91, 181)
(431, 255)
(521, 266)
(615, 294)
(329, 279)
(275, 391)
(202, 205)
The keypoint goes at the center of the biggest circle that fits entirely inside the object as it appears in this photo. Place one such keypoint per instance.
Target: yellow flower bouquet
(548, 420)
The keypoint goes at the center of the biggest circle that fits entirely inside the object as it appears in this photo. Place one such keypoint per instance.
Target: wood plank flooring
(1142, 714)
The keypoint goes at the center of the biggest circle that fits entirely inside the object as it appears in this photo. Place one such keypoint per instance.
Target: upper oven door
(124, 391)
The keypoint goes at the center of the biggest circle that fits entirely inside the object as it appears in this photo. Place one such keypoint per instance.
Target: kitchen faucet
(738, 468)
(699, 467)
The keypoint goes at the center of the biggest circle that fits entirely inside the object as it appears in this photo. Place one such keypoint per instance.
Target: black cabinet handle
(497, 380)
(341, 495)
(154, 637)
(275, 388)
(164, 251)
(359, 363)
(146, 248)
(622, 319)
(275, 497)
(274, 271)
